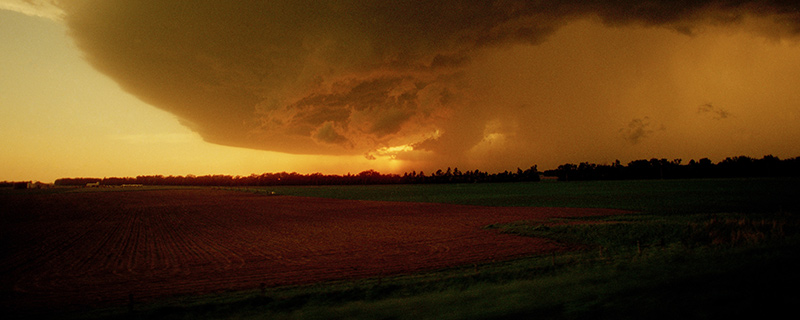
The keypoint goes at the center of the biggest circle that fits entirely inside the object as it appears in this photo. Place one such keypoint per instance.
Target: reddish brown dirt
(96, 248)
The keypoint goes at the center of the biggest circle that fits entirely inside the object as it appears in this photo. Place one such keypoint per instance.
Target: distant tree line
(731, 167)
(283, 178)
(15, 184)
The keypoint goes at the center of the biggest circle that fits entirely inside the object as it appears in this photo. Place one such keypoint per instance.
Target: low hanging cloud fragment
(715, 112)
(637, 130)
(38, 8)
(349, 77)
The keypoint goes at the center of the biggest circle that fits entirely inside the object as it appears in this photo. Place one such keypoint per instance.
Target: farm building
(21, 185)
(38, 185)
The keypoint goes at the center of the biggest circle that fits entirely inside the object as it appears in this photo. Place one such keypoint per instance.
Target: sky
(103, 88)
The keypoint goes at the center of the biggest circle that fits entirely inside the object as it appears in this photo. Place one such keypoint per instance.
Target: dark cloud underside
(353, 77)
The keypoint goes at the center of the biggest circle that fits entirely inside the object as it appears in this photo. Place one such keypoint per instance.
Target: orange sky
(114, 88)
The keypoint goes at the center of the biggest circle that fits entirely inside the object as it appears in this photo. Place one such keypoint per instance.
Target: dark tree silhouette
(741, 166)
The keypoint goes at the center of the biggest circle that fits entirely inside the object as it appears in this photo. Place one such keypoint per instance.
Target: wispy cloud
(715, 112)
(637, 130)
(38, 8)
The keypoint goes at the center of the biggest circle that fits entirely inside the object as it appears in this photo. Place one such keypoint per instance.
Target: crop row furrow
(229, 250)
(136, 254)
(124, 244)
(164, 233)
(192, 244)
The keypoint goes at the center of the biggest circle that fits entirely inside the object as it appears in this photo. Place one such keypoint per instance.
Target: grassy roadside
(667, 285)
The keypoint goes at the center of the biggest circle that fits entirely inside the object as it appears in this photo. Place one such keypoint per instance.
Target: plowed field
(95, 248)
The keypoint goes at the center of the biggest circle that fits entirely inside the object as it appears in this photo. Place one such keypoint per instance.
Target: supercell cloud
(464, 82)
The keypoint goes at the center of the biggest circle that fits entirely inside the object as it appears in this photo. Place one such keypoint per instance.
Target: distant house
(93, 185)
(38, 185)
(548, 178)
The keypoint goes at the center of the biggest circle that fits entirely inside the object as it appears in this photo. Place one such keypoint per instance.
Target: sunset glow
(120, 88)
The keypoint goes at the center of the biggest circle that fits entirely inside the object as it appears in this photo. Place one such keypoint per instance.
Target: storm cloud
(459, 81)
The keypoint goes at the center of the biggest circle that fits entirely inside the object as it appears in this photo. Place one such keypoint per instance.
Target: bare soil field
(93, 249)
